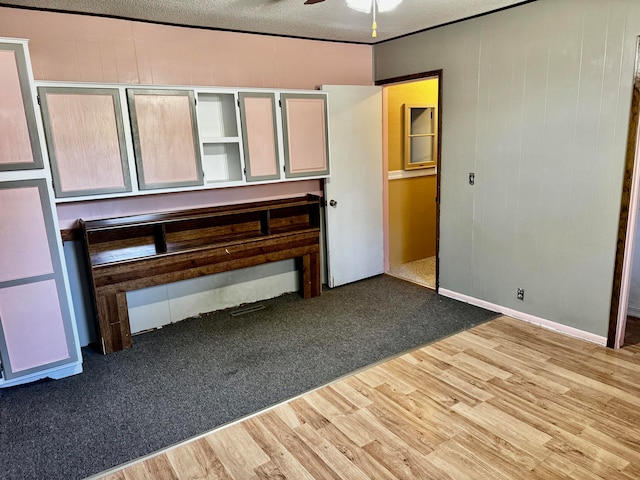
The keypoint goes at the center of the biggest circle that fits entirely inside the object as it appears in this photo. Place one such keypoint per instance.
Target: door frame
(628, 219)
(385, 153)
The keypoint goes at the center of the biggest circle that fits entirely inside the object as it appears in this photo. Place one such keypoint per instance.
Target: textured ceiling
(329, 20)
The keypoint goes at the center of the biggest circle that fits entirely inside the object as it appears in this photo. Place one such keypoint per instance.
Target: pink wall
(68, 213)
(92, 49)
(66, 47)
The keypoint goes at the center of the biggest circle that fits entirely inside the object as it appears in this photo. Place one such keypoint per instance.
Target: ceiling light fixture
(366, 6)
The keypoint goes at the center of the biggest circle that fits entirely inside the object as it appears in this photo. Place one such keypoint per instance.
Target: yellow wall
(412, 219)
(425, 92)
(412, 207)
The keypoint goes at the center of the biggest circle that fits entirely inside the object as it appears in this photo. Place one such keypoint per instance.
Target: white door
(355, 248)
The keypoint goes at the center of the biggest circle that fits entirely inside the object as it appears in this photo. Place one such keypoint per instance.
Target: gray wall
(536, 103)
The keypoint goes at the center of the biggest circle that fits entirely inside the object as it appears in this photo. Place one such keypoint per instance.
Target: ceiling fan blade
(311, 2)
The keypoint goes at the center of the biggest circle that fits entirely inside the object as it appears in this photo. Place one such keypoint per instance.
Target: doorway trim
(407, 79)
(628, 220)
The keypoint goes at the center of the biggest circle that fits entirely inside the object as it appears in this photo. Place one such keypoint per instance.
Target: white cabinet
(270, 132)
(38, 337)
(108, 140)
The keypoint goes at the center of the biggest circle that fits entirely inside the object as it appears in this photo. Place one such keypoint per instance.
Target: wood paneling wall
(536, 103)
(80, 48)
(93, 49)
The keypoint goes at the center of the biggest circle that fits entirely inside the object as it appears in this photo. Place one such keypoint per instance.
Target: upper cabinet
(85, 138)
(165, 138)
(260, 135)
(108, 140)
(19, 143)
(304, 120)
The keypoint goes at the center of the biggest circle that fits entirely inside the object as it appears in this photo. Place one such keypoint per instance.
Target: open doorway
(624, 327)
(623, 282)
(412, 119)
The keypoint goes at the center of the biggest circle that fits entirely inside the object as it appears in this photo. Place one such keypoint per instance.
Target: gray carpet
(190, 377)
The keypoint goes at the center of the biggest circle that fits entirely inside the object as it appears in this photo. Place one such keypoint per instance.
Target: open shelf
(217, 115)
(221, 162)
(220, 141)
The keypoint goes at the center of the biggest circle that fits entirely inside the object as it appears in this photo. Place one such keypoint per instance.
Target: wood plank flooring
(504, 400)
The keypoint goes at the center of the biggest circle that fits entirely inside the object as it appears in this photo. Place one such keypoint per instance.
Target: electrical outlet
(520, 294)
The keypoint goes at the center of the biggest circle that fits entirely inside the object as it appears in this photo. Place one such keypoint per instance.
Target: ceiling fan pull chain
(374, 26)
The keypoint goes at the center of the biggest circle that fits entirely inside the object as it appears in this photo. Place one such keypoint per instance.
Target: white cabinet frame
(222, 158)
(218, 128)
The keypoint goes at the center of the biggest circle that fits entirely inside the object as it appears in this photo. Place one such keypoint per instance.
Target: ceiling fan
(367, 6)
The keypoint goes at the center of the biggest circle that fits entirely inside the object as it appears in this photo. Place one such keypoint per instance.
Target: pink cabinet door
(165, 139)
(35, 320)
(19, 144)
(304, 118)
(85, 140)
(32, 327)
(259, 136)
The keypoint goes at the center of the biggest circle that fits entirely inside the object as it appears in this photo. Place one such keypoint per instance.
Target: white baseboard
(558, 327)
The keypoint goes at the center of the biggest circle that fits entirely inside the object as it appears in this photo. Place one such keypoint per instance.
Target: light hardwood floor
(504, 400)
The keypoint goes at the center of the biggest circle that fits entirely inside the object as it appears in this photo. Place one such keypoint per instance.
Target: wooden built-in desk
(129, 253)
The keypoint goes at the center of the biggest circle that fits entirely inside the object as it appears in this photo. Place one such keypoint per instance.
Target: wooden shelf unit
(129, 253)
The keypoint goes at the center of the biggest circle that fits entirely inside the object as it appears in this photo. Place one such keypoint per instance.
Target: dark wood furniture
(134, 252)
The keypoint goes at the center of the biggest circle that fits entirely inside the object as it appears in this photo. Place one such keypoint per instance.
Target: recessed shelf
(221, 162)
(421, 134)
(204, 139)
(217, 115)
